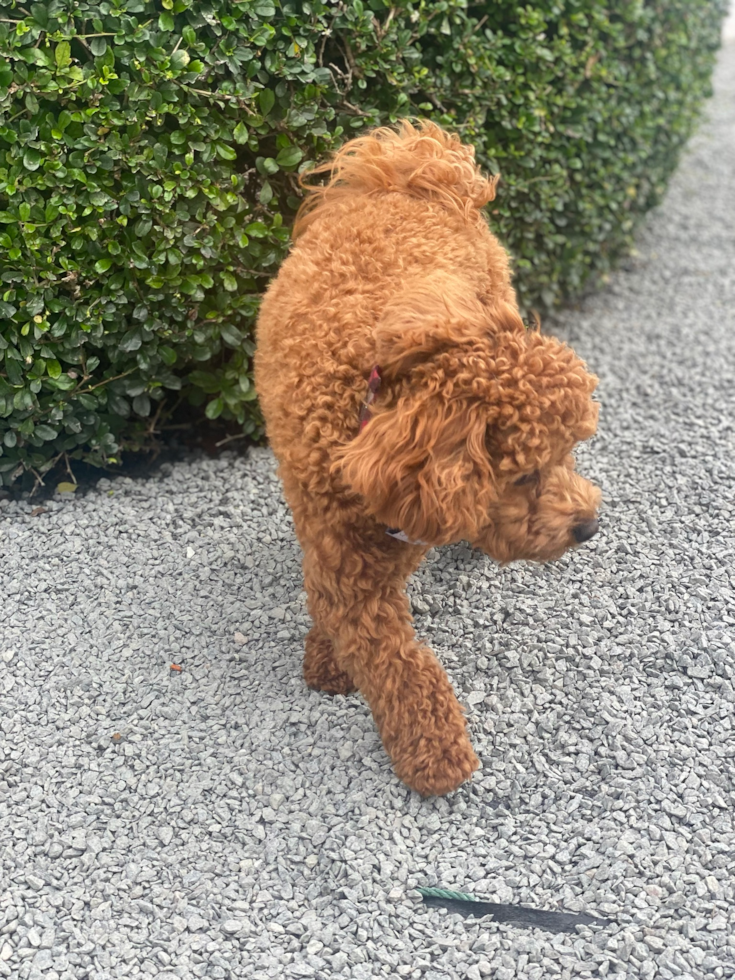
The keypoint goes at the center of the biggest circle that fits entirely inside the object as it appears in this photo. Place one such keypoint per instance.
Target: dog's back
(426, 163)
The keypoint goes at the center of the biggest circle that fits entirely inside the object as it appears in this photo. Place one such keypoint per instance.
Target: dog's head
(472, 432)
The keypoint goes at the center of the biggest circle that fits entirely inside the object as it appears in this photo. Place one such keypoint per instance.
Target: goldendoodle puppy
(409, 407)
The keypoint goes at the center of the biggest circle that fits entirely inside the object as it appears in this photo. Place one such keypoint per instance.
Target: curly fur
(394, 265)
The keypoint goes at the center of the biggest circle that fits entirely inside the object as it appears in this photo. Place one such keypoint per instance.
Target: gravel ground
(224, 821)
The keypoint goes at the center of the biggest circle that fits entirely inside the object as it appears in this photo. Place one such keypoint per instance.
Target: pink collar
(373, 386)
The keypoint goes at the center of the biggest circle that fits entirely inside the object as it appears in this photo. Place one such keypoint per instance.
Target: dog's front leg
(363, 637)
(358, 602)
(417, 713)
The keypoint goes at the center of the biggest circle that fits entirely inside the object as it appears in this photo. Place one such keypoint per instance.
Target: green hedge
(148, 162)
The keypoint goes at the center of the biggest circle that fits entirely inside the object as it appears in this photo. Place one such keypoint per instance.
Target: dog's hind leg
(320, 668)
(321, 671)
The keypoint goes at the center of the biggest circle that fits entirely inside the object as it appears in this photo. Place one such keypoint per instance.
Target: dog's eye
(528, 478)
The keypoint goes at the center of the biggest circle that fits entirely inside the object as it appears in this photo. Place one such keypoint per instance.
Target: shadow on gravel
(188, 438)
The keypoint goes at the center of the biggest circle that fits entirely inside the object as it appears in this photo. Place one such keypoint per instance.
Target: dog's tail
(421, 161)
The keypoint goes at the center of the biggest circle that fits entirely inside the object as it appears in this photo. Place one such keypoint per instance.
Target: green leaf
(39, 12)
(131, 340)
(289, 156)
(45, 432)
(63, 382)
(214, 408)
(117, 404)
(23, 400)
(226, 152)
(32, 160)
(62, 55)
(266, 100)
(180, 59)
(13, 370)
(240, 133)
(98, 46)
(102, 265)
(53, 368)
(231, 335)
(166, 21)
(229, 282)
(142, 405)
(257, 229)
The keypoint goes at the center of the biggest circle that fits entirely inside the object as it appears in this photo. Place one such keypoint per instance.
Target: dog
(409, 407)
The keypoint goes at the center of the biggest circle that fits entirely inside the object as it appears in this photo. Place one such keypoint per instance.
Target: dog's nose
(583, 532)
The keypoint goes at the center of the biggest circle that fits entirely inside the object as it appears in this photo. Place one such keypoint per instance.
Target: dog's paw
(320, 670)
(435, 766)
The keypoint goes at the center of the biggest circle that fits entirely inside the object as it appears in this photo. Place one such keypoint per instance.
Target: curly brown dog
(409, 407)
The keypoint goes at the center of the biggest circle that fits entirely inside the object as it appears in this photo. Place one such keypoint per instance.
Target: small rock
(719, 922)
(674, 808)
(196, 922)
(432, 822)
(43, 960)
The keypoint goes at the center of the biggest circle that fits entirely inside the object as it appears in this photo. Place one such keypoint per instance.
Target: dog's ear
(411, 463)
(422, 463)
(422, 467)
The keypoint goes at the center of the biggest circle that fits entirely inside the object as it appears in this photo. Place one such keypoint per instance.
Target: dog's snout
(583, 532)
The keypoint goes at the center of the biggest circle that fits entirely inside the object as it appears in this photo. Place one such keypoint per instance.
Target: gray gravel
(224, 821)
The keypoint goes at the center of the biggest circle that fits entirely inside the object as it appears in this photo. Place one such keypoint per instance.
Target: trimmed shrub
(148, 173)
